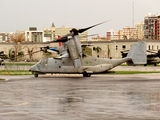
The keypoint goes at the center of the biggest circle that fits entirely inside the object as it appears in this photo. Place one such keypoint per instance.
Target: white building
(49, 33)
(34, 35)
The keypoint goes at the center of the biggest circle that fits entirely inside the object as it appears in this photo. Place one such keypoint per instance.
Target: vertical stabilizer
(138, 53)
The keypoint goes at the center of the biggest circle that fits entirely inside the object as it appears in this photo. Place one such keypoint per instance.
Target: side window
(149, 47)
(116, 47)
(123, 47)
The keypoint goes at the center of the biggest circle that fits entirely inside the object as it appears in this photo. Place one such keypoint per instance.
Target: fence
(15, 67)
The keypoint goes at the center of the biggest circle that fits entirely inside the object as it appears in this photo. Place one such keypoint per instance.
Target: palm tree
(108, 51)
(125, 37)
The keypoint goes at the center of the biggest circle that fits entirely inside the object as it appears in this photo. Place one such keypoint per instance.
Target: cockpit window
(43, 61)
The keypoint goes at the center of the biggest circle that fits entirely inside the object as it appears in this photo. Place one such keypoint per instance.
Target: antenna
(133, 14)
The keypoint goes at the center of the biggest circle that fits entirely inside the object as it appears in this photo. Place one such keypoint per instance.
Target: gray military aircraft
(153, 57)
(72, 60)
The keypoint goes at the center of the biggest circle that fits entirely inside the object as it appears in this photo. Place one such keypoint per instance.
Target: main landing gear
(86, 74)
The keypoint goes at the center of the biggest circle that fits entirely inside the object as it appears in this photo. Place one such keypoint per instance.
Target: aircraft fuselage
(91, 65)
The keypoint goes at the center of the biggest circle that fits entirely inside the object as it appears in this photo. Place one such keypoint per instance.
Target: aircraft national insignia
(87, 62)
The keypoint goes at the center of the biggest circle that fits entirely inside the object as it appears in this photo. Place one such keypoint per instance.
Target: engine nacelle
(74, 54)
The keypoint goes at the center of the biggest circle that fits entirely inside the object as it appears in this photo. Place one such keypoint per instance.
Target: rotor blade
(36, 51)
(31, 53)
(63, 39)
(47, 47)
(86, 45)
(84, 29)
(16, 57)
(21, 56)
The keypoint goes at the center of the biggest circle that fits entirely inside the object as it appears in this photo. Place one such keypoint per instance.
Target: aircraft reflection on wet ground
(99, 97)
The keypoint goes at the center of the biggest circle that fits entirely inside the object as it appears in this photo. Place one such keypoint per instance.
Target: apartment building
(140, 29)
(130, 33)
(152, 27)
(112, 35)
(124, 34)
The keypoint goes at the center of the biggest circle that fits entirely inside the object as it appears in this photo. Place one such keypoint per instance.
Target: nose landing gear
(36, 75)
(86, 74)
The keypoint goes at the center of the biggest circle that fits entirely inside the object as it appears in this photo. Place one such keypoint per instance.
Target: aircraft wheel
(35, 75)
(86, 75)
(89, 75)
(155, 64)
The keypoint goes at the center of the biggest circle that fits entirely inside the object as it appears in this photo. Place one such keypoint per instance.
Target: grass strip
(132, 72)
(15, 72)
(19, 64)
(26, 72)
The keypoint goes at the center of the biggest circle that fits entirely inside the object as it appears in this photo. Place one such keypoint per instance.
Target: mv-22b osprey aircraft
(73, 61)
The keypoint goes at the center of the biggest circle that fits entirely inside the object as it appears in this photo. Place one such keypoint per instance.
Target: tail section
(138, 53)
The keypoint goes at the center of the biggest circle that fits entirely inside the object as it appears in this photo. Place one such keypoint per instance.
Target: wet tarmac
(72, 97)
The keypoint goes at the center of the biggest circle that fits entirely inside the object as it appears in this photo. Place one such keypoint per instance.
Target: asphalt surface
(72, 97)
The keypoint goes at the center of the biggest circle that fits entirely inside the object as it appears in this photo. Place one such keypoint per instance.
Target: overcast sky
(22, 14)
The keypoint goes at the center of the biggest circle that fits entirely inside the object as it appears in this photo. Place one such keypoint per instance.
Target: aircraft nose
(33, 68)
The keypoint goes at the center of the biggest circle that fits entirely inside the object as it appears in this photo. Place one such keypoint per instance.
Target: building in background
(111, 35)
(124, 34)
(108, 35)
(98, 38)
(49, 33)
(5, 37)
(148, 30)
(140, 29)
(152, 27)
(129, 33)
(65, 30)
(34, 35)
